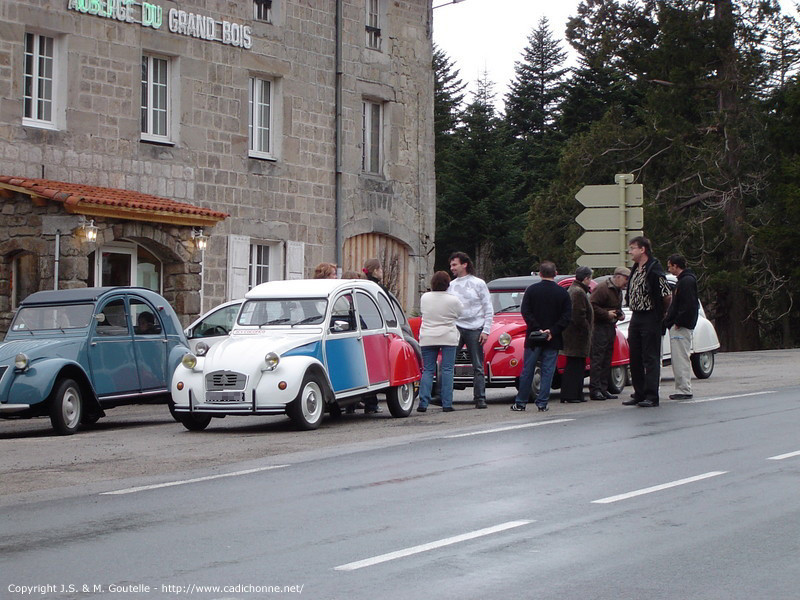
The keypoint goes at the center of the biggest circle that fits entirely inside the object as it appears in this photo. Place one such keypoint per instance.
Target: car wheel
(703, 364)
(616, 382)
(306, 410)
(194, 422)
(172, 412)
(66, 407)
(400, 399)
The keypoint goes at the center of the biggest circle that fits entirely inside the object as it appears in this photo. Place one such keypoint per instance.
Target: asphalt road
(691, 500)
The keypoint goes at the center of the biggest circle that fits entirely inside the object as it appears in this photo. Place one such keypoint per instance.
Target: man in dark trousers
(546, 307)
(648, 298)
(681, 320)
(606, 300)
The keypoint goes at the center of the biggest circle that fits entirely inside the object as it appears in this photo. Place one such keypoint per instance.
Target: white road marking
(509, 428)
(782, 456)
(368, 562)
(657, 488)
(143, 488)
(728, 397)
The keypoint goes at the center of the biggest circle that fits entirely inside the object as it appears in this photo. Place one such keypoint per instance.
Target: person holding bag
(546, 308)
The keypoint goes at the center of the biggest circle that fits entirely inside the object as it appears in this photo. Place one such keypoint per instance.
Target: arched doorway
(393, 254)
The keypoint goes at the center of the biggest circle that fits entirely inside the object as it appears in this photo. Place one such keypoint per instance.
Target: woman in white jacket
(438, 333)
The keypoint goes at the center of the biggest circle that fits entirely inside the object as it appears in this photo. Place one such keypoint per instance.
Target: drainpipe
(338, 141)
(57, 260)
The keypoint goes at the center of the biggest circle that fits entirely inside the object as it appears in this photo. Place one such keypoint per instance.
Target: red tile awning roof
(95, 201)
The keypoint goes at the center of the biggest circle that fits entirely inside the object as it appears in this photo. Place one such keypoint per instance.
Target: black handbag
(537, 338)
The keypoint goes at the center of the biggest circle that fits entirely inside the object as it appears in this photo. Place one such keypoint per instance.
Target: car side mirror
(340, 326)
(188, 332)
(100, 317)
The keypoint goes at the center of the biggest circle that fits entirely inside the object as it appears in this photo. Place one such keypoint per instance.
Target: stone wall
(288, 199)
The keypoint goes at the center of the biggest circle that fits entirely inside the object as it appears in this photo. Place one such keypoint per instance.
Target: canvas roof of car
(518, 283)
(72, 295)
(306, 288)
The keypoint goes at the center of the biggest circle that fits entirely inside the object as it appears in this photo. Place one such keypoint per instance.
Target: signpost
(613, 214)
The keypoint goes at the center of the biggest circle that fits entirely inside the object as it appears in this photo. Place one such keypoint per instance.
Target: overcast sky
(491, 35)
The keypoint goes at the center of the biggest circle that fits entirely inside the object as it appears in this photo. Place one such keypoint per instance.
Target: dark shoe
(648, 403)
(680, 396)
(481, 404)
(572, 401)
(372, 410)
(632, 402)
(422, 409)
(448, 409)
(517, 407)
(598, 397)
(542, 408)
(610, 396)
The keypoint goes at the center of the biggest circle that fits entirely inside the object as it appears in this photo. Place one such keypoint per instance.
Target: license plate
(463, 371)
(224, 396)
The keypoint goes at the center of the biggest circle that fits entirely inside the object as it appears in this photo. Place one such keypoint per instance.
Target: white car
(214, 326)
(705, 342)
(300, 348)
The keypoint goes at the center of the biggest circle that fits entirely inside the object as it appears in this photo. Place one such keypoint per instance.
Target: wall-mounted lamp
(199, 238)
(89, 229)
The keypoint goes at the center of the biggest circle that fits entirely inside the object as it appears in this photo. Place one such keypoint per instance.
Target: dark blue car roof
(76, 295)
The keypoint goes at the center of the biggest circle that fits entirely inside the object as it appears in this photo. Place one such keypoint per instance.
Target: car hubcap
(69, 407)
(311, 401)
(406, 395)
(705, 362)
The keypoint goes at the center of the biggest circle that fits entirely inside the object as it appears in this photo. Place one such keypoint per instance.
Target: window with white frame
(259, 264)
(39, 82)
(371, 137)
(262, 10)
(155, 99)
(260, 121)
(373, 24)
(251, 262)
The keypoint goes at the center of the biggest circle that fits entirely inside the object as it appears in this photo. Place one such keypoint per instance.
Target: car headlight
(271, 360)
(201, 349)
(21, 361)
(189, 361)
(504, 340)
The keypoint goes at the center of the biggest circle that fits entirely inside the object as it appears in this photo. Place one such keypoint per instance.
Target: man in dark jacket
(648, 297)
(606, 302)
(681, 320)
(546, 307)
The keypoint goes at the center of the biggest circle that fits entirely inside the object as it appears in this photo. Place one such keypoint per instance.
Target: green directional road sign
(608, 195)
(599, 219)
(612, 216)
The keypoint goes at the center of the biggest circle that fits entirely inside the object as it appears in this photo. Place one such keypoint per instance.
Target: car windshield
(507, 301)
(42, 318)
(287, 311)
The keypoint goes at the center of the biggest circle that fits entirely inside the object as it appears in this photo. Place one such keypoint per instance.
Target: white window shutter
(295, 259)
(238, 266)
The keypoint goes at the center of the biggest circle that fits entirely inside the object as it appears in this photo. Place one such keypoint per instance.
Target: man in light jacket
(476, 318)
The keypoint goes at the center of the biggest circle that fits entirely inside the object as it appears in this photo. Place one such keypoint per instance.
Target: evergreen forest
(698, 99)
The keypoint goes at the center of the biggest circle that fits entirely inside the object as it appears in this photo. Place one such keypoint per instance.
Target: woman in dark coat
(577, 337)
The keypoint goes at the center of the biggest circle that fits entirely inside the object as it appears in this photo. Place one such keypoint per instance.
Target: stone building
(213, 145)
